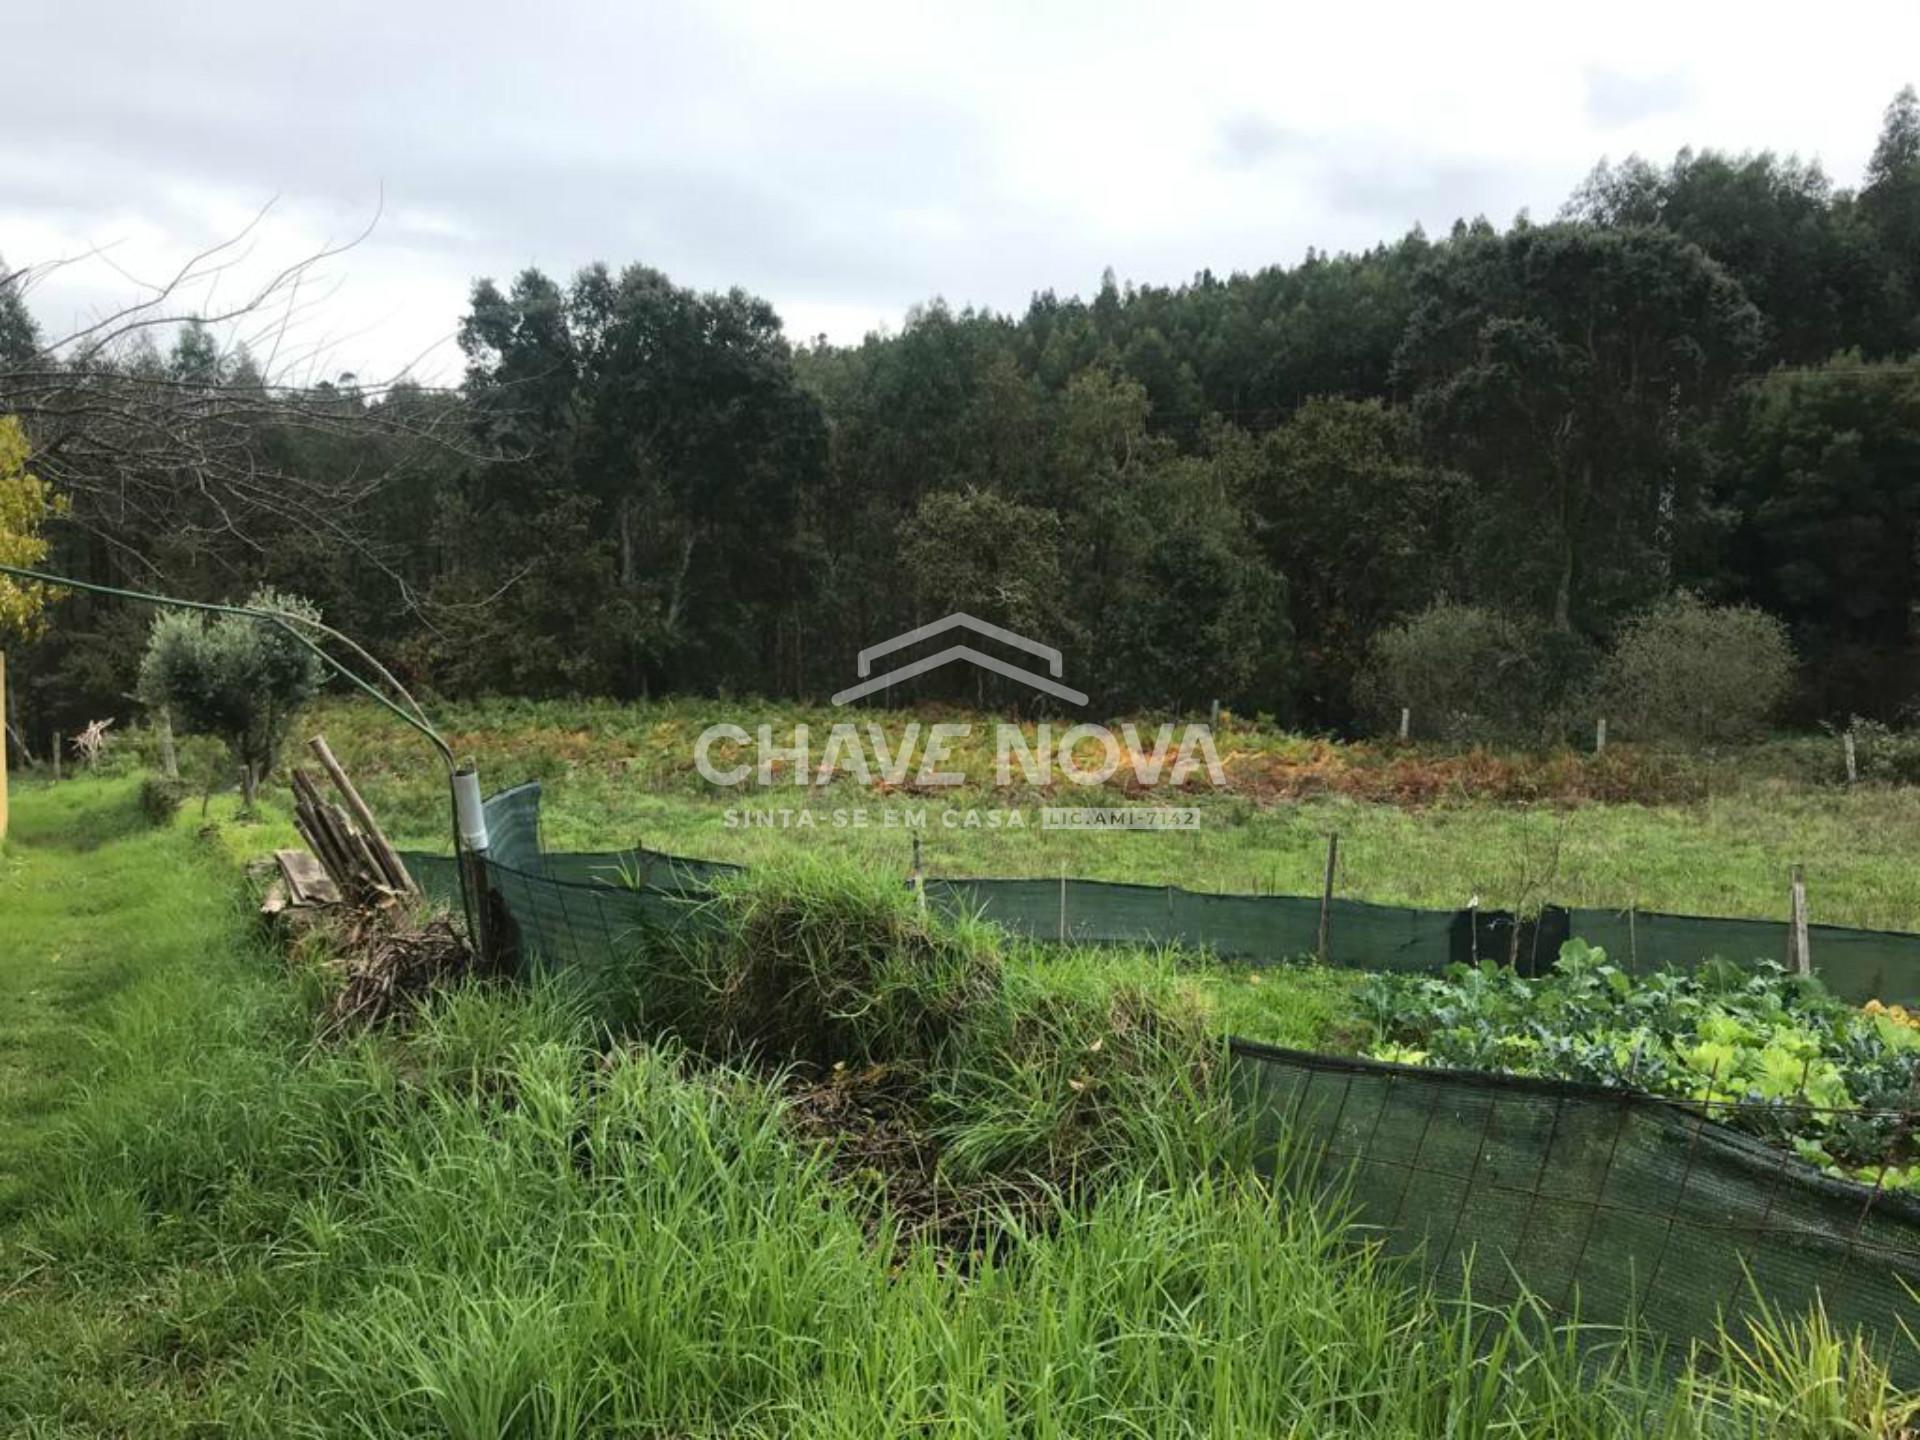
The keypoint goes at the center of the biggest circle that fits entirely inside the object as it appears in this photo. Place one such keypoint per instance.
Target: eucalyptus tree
(1567, 370)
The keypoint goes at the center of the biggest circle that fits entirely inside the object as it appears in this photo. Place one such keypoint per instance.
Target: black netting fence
(1856, 965)
(1628, 1205)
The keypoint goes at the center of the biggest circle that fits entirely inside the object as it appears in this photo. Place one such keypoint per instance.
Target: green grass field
(617, 775)
(502, 1221)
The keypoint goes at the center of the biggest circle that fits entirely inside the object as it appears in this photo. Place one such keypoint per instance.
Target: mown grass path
(100, 910)
(93, 898)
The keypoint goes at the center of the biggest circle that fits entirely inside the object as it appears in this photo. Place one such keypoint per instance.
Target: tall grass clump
(1046, 1074)
(818, 963)
(524, 1235)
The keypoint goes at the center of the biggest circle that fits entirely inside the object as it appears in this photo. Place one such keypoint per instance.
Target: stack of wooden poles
(354, 858)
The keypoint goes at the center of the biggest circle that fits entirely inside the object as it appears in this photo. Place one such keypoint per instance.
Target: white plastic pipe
(468, 811)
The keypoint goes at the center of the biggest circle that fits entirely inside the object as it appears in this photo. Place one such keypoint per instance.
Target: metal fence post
(1797, 949)
(471, 823)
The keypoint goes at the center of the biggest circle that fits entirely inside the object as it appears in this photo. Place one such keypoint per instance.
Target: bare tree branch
(141, 449)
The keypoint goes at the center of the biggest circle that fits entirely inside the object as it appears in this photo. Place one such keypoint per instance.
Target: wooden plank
(357, 868)
(307, 880)
(317, 829)
(370, 865)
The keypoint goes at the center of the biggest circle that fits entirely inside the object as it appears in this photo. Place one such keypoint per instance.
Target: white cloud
(1617, 97)
(849, 161)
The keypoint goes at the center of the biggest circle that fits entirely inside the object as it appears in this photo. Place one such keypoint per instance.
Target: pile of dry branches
(388, 961)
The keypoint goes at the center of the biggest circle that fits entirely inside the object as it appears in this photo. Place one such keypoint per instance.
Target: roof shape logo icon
(959, 620)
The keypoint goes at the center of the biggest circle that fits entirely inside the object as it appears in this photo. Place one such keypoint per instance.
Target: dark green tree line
(1698, 377)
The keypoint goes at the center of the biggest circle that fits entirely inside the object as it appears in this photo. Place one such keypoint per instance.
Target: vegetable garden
(1771, 1052)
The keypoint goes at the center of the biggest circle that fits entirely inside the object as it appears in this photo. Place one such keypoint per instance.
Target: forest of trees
(1701, 377)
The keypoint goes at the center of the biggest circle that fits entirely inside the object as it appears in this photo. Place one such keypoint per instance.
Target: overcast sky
(849, 160)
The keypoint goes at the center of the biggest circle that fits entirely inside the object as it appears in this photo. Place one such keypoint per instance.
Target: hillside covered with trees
(1702, 376)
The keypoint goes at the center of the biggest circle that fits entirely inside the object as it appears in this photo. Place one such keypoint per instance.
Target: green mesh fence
(1610, 1204)
(513, 827)
(1856, 965)
(1259, 929)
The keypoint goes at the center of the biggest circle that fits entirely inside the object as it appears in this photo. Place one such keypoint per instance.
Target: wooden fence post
(1406, 721)
(1326, 896)
(1799, 958)
(1600, 736)
(59, 743)
(1853, 764)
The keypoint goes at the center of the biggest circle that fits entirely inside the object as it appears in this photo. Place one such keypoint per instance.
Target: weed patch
(936, 1060)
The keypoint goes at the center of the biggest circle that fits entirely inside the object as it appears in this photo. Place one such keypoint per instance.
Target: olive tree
(235, 677)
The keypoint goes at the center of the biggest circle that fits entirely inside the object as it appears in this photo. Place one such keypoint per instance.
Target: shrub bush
(1473, 676)
(160, 798)
(1684, 670)
(1884, 753)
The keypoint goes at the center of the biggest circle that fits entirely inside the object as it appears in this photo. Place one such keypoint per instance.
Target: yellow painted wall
(3, 745)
